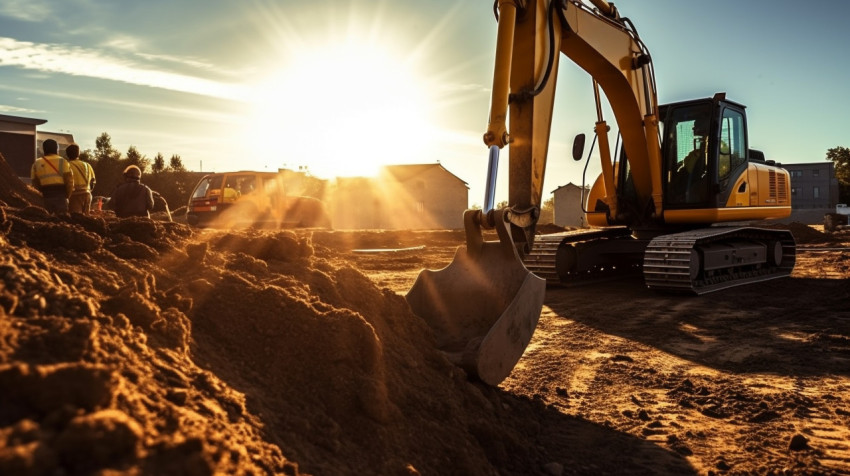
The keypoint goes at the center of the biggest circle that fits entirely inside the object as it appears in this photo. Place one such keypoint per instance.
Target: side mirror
(578, 147)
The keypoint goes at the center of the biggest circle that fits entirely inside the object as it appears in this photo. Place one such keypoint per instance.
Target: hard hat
(133, 171)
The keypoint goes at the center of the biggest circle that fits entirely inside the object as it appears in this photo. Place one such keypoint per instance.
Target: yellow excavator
(674, 202)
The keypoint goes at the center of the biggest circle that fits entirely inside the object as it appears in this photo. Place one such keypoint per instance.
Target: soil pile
(147, 347)
(13, 191)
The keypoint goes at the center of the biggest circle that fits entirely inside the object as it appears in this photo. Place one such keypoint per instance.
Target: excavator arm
(484, 306)
(606, 46)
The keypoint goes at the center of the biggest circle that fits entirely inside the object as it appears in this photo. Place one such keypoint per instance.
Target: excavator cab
(704, 145)
(686, 154)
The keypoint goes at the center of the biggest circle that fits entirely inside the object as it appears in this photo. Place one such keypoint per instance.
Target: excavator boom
(656, 203)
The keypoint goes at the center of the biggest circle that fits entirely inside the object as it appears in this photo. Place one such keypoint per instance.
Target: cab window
(241, 184)
(686, 151)
(732, 153)
(269, 184)
(245, 184)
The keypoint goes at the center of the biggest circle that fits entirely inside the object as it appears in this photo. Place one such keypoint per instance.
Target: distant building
(18, 142)
(357, 204)
(420, 196)
(62, 138)
(813, 185)
(568, 205)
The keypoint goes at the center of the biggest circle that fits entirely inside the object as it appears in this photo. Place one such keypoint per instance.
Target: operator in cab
(691, 171)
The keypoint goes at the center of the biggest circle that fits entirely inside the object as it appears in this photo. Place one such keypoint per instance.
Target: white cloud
(27, 10)
(122, 42)
(195, 114)
(17, 110)
(178, 60)
(63, 59)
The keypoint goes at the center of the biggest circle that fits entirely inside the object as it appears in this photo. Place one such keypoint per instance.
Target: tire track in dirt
(820, 428)
(731, 382)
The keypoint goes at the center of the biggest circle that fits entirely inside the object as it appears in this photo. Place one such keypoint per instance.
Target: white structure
(568, 205)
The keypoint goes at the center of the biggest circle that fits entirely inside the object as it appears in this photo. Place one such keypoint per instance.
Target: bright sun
(344, 109)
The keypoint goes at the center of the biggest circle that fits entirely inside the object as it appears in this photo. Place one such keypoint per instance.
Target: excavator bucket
(484, 306)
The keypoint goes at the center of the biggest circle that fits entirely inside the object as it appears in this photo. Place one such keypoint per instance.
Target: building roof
(405, 172)
(570, 185)
(61, 137)
(22, 120)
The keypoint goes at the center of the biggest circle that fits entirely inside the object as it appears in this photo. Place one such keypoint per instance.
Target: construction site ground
(749, 380)
(148, 347)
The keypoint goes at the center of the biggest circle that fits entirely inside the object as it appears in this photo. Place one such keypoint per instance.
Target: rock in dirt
(798, 443)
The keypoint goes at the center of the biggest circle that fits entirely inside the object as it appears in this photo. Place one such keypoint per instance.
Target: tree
(547, 211)
(106, 162)
(174, 182)
(840, 156)
(104, 150)
(176, 164)
(158, 163)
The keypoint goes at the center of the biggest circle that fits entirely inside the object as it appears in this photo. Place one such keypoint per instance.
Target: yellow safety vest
(50, 170)
(230, 194)
(83, 174)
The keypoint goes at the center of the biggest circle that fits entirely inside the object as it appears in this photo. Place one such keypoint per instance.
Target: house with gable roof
(568, 205)
(414, 196)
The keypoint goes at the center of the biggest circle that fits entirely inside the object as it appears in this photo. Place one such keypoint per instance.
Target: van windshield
(201, 189)
(206, 186)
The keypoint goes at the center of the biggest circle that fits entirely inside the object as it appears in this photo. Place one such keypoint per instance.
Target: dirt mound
(804, 234)
(144, 346)
(14, 192)
(807, 234)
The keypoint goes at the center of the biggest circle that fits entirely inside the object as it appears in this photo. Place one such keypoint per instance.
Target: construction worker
(230, 193)
(51, 175)
(132, 198)
(84, 181)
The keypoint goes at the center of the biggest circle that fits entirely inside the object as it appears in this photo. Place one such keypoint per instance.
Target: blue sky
(342, 86)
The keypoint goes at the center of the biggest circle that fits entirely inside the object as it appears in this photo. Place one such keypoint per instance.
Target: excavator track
(541, 259)
(548, 257)
(696, 261)
(711, 259)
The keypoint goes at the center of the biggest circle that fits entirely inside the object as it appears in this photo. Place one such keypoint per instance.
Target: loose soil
(148, 347)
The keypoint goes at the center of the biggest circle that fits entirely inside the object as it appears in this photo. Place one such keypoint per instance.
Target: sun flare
(343, 109)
